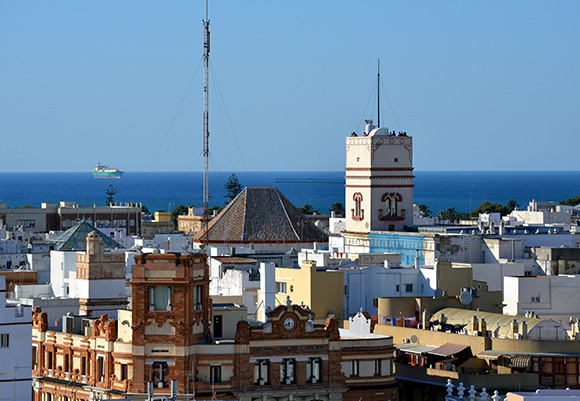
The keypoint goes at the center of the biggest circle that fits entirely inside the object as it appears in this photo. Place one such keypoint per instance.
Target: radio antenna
(206, 122)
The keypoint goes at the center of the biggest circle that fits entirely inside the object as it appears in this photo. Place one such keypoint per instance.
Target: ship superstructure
(103, 171)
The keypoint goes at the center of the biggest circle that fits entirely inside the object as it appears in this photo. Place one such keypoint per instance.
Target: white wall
(16, 359)
(62, 263)
(267, 289)
(41, 263)
(493, 273)
(558, 295)
(365, 284)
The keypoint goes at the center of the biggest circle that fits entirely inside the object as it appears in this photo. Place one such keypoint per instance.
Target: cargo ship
(102, 171)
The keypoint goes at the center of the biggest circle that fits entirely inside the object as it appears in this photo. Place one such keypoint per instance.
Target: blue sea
(165, 190)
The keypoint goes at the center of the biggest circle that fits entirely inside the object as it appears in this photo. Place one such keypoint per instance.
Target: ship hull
(106, 174)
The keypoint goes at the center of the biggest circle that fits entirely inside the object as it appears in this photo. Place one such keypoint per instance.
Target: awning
(489, 355)
(415, 348)
(448, 350)
(520, 361)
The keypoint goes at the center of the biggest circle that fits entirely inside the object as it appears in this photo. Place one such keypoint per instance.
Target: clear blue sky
(480, 85)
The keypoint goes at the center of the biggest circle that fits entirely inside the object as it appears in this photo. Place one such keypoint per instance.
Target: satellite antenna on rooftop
(465, 297)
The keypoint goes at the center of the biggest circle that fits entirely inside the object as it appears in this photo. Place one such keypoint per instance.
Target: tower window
(197, 297)
(357, 212)
(215, 374)
(160, 297)
(391, 206)
(160, 372)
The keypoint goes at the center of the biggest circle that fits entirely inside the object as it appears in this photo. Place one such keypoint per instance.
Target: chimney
(426, 317)
(524, 329)
(474, 324)
(514, 328)
(483, 327)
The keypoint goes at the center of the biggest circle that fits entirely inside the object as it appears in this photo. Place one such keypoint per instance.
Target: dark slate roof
(75, 238)
(261, 214)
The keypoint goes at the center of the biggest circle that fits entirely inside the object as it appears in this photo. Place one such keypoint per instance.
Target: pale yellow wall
(328, 293)
(321, 291)
(124, 331)
(162, 216)
(298, 286)
(451, 279)
(231, 299)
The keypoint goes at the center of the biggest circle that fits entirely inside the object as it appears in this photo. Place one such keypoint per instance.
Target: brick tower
(100, 280)
(170, 315)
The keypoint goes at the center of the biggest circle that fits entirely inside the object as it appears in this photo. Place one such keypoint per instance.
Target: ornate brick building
(167, 336)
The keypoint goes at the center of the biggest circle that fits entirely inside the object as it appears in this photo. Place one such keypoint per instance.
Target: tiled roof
(261, 214)
(75, 238)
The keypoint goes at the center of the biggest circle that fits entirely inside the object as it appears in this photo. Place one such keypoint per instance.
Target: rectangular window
(408, 287)
(160, 297)
(66, 362)
(215, 374)
(313, 370)
(375, 302)
(197, 297)
(26, 223)
(49, 360)
(287, 371)
(378, 367)
(101, 368)
(397, 288)
(262, 372)
(34, 357)
(4, 340)
(124, 371)
(280, 287)
(160, 374)
(84, 365)
(354, 368)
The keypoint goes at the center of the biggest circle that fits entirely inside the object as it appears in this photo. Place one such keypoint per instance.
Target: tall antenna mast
(379, 93)
(206, 120)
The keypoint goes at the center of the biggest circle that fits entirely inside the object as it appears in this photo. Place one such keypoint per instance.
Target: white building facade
(15, 355)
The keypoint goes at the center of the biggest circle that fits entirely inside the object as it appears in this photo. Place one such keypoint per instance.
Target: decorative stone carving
(39, 319)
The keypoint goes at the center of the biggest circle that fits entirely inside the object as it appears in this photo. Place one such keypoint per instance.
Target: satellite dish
(414, 339)
(438, 293)
(465, 297)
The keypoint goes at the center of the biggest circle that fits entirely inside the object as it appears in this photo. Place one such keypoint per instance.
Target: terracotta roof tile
(261, 214)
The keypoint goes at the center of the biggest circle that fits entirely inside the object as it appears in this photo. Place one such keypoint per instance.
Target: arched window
(388, 206)
(390, 210)
(357, 212)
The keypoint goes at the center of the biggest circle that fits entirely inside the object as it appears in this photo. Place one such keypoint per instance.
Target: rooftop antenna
(206, 122)
(378, 93)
